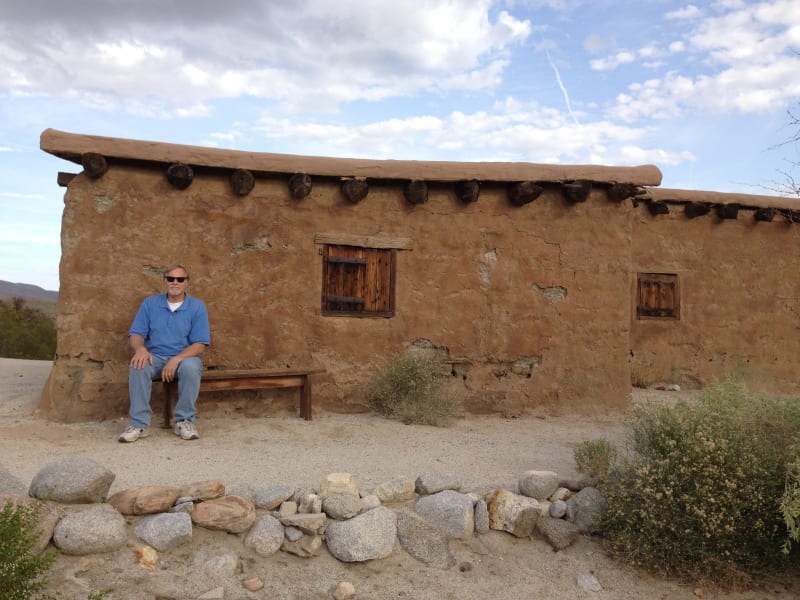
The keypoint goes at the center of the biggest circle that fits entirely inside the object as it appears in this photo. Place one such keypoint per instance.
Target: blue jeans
(140, 384)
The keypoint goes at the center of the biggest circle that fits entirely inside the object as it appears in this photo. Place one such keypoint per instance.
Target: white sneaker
(186, 430)
(131, 434)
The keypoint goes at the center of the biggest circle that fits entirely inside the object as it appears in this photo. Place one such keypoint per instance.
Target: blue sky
(700, 89)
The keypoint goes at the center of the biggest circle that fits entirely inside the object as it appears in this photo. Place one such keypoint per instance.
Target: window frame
(665, 289)
(362, 273)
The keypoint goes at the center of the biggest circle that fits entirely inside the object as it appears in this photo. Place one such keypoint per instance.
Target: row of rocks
(354, 526)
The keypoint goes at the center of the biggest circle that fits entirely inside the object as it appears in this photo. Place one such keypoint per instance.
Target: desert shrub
(790, 505)
(412, 387)
(23, 573)
(699, 497)
(595, 458)
(26, 332)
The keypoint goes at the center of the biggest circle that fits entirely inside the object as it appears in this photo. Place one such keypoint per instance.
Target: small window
(658, 296)
(358, 282)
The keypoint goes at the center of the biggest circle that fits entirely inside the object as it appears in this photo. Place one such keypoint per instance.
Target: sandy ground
(485, 452)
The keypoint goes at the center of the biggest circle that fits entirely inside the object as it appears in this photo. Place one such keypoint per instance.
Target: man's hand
(169, 370)
(141, 358)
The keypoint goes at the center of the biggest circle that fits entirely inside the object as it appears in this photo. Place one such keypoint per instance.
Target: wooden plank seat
(215, 380)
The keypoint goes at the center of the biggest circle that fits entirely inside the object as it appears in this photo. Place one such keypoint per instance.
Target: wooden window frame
(358, 281)
(658, 296)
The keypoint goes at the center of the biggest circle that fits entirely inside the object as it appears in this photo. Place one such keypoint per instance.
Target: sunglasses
(170, 278)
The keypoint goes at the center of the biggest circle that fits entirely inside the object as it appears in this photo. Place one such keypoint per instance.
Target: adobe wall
(739, 299)
(532, 303)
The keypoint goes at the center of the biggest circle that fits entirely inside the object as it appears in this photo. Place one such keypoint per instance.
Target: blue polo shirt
(167, 333)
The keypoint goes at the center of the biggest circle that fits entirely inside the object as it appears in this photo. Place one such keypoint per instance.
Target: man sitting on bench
(168, 335)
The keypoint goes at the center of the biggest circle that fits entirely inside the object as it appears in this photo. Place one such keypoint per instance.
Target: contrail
(561, 85)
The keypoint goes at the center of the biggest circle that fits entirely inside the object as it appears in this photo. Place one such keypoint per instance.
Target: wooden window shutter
(358, 281)
(658, 296)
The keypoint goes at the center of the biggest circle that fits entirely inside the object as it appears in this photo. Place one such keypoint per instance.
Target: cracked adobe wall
(529, 304)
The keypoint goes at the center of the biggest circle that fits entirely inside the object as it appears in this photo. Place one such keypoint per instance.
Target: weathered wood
(576, 191)
(416, 191)
(764, 214)
(524, 192)
(242, 182)
(381, 242)
(468, 191)
(300, 185)
(250, 379)
(94, 165)
(728, 211)
(63, 178)
(355, 189)
(657, 207)
(180, 176)
(618, 192)
(696, 209)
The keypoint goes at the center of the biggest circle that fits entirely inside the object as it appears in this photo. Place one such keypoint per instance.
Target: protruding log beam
(727, 211)
(618, 192)
(576, 191)
(658, 207)
(524, 192)
(63, 178)
(94, 165)
(242, 182)
(468, 191)
(180, 176)
(764, 214)
(416, 191)
(696, 209)
(300, 185)
(355, 189)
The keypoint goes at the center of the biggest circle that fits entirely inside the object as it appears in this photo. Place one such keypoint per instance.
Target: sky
(704, 90)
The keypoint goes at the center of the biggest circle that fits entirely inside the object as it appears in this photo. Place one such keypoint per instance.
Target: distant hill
(33, 295)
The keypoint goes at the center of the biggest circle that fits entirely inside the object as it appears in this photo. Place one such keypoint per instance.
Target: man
(168, 336)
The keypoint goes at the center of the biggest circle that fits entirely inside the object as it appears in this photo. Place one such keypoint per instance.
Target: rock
(253, 584)
(481, 516)
(184, 507)
(344, 591)
(538, 484)
(49, 514)
(265, 536)
(341, 506)
(243, 489)
(307, 546)
(433, 483)
(338, 483)
(310, 503)
(310, 523)
(589, 583)
(558, 509)
(450, 511)
(9, 484)
(72, 481)
(218, 593)
(147, 557)
(145, 500)
(94, 530)
(203, 490)
(229, 513)
(165, 531)
(292, 533)
(369, 502)
(558, 533)
(425, 543)
(585, 509)
(368, 536)
(271, 497)
(513, 513)
(399, 489)
(561, 493)
(287, 509)
(218, 568)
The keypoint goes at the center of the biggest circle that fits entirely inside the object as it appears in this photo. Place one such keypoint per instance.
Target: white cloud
(612, 62)
(688, 12)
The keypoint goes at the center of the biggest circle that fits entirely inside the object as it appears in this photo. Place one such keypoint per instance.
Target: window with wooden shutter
(358, 281)
(658, 296)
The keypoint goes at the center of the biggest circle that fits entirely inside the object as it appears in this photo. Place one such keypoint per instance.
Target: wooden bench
(215, 380)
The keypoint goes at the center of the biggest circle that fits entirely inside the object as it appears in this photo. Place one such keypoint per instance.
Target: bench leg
(305, 399)
(167, 404)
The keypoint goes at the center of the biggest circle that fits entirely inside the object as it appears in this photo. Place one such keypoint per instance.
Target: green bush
(26, 332)
(413, 389)
(595, 458)
(23, 573)
(700, 495)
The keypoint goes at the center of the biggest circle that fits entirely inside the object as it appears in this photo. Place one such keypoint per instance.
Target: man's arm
(169, 370)
(141, 356)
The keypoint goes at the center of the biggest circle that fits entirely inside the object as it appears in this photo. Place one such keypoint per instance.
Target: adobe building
(541, 288)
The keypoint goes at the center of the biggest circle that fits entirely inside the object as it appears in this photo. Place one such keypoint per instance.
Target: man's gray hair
(173, 267)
